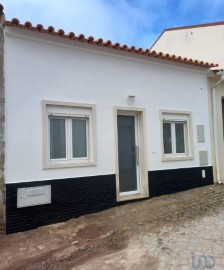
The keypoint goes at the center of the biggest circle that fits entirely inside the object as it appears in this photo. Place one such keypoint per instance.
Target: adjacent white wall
(40, 70)
(201, 43)
(220, 135)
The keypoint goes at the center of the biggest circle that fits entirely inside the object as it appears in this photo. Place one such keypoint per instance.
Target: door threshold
(131, 197)
(127, 193)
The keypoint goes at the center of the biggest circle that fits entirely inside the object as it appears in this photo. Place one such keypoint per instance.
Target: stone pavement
(185, 231)
(182, 231)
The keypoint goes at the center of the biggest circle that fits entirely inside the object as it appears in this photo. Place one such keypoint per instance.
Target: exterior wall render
(206, 44)
(53, 71)
(2, 130)
(78, 75)
(219, 97)
(202, 43)
(220, 134)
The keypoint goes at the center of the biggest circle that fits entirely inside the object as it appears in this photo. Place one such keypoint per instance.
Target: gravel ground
(179, 231)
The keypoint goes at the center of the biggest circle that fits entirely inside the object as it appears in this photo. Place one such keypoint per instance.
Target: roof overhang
(108, 44)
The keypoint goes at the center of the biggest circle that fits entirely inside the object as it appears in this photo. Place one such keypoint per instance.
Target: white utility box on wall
(31, 196)
(203, 158)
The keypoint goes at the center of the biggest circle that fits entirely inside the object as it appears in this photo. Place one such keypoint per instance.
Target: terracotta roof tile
(108, 44)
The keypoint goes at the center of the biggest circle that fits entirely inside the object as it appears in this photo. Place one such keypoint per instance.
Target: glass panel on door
(128, 179)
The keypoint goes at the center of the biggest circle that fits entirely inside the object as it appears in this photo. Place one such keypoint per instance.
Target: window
(176, 135)
(69, 134)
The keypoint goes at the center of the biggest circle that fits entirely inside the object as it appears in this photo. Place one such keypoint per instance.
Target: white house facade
(90, 125)
(204, 42)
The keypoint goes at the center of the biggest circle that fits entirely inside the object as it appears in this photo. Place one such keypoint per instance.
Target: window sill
(176, 158)
(69, 165)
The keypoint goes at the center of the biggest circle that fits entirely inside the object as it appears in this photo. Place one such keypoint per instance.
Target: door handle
(137, 154)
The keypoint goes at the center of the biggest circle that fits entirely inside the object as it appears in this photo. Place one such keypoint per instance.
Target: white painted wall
(37, 70)
(202, 43)
(219, 118)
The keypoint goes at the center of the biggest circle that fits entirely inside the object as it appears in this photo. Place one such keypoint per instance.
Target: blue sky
(131, 22)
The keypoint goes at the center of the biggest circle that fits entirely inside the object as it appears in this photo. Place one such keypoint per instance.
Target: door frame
(143, 191)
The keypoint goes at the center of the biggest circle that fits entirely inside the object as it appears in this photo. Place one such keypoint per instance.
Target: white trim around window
(69, 134)
(176, 135)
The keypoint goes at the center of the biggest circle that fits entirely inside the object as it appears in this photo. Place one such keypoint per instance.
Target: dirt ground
(179, 231)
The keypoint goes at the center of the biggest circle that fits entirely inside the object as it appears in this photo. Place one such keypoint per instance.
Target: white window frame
(185, 117)
(78, 111)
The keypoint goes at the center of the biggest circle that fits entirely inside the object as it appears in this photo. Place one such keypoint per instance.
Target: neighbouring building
(204, 42)
(90, 124)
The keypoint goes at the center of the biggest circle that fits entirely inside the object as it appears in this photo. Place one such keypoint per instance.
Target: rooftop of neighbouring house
(194, 26)
(187, 27)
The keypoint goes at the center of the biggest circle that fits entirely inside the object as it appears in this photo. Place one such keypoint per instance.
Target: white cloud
(131, 22)
(214, 10)
(201, 11)
(125, 21)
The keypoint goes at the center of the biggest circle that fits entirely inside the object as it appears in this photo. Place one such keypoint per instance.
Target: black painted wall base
(70, 198)
(169, 181)
(79, 196)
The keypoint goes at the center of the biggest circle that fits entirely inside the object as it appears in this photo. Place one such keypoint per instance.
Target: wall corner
(2, 122)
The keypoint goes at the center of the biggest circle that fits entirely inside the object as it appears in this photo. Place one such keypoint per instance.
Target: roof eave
(108, 44)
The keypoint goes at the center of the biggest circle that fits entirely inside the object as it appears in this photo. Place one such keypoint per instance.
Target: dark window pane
(167, 141)
(57, 138)
(180, 145)
(79, 143)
